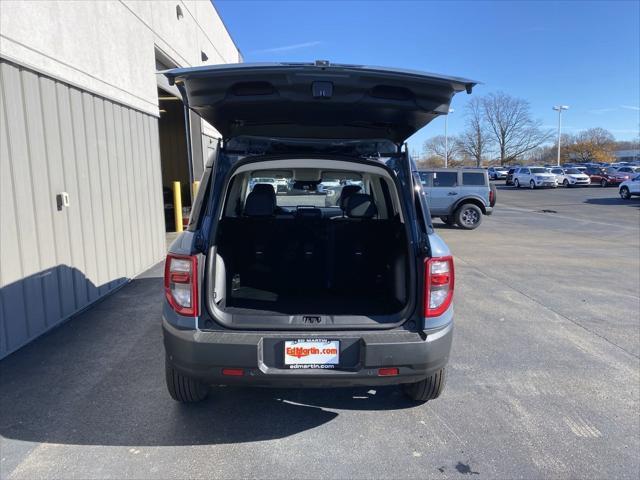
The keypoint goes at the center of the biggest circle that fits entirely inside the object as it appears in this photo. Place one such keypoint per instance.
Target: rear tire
(625, 194)
(183, 388)
(428, 389)
(516, 183)
(468, 216)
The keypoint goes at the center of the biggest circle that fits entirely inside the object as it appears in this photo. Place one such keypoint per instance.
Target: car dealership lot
(543, 380)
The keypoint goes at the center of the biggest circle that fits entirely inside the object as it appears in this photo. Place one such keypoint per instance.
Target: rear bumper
(203, 355)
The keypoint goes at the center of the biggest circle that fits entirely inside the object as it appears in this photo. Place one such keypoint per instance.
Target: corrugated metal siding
(56, 138)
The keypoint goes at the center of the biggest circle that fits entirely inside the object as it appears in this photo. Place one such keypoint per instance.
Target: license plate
(311, 353)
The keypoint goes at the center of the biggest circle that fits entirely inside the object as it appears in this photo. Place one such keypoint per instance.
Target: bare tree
(475, 140)
(511, 126)
(437, 147)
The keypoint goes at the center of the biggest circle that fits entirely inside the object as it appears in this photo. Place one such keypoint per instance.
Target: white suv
(534, 177)
(629, 188)
(571, 176)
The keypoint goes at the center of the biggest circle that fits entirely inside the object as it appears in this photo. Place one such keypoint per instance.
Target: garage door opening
(174, 156)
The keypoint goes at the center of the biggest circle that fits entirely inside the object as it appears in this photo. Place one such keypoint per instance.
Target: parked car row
(534, 176)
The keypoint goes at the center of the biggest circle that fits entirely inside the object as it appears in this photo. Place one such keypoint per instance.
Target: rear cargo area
(333, 266)
(305, 237)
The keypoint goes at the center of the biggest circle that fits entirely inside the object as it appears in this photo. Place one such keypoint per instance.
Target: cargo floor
(248, 301)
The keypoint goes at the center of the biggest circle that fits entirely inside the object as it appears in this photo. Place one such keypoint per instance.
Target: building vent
(204, 56)
(179, 13)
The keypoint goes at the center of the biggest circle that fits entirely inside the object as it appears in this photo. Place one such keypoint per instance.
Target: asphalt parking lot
(544, 378)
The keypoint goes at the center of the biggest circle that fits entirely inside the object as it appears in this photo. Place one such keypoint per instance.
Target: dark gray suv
(336, 280)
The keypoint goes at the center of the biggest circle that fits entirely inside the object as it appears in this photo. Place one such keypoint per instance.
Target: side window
(557, 171)
(524, 171)
(425, 178)
(445, 179)
(474, 178)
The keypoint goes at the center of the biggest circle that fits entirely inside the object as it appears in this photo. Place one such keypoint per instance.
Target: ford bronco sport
(336, 280)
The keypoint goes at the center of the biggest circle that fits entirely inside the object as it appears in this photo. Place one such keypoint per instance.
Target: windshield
(539, 170)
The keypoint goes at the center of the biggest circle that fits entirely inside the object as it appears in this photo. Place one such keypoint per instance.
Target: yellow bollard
(177, 206)
(194, 190)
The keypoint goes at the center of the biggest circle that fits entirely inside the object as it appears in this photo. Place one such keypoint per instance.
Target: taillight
(181, 284)
(491, 194)
(439, 281)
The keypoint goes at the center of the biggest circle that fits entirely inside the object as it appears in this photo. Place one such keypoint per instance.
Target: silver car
(497, 173)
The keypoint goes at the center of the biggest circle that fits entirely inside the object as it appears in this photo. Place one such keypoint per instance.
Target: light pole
(446, 139)
(559, 109)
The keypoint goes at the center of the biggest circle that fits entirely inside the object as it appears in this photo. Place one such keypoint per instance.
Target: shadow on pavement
(99, 380)
(632, 202)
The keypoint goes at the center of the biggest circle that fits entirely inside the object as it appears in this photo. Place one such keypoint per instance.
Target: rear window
(445, 179)
(292, 192)
(473, 179)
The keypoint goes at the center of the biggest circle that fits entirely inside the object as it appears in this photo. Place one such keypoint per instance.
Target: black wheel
(532, 185)
(566, 183)
(516, 182)
(449, 220)
(428, 389)
(182, 388)
(625, 194)
(604, 183)
(468, 216)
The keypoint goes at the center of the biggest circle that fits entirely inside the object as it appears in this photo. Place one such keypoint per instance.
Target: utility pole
(559, 109)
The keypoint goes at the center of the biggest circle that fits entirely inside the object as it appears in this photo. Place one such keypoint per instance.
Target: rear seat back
(359, 245)
(255, 245)
(306, 252)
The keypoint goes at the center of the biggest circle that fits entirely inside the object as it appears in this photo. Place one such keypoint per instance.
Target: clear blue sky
(582, 54)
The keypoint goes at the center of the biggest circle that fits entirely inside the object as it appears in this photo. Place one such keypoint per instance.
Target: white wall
(55, 261)
(107, 47)
(78, 108)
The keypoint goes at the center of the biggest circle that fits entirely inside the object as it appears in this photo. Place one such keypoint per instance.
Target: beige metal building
(90, 137)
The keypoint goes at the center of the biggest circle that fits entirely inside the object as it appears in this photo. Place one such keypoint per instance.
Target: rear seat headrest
(361, 205)
(347, 191)
(261, 202)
